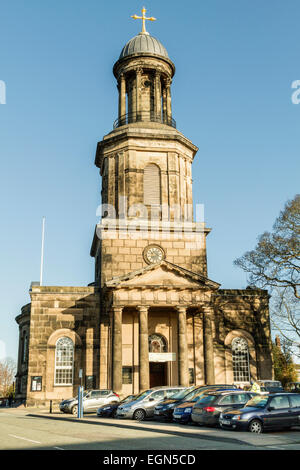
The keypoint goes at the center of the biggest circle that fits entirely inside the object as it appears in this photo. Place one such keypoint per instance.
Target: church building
(152, 316)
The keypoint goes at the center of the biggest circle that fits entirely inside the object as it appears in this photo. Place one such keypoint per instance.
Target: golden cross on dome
(143, 18)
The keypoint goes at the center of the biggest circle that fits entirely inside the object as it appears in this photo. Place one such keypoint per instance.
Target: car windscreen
(181, 394)
(270, 383)
(258, 401)
(143, 394)
(129, 398)
(192, 394)
(83, 395)
(206, 399)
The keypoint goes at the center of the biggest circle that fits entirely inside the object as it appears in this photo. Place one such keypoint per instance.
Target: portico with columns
(167, 301)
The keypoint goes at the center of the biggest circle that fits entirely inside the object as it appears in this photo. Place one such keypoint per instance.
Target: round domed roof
(143, 43)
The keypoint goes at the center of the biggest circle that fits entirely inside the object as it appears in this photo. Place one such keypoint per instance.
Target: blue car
(263, 412)
(183, 412)
(110, 411)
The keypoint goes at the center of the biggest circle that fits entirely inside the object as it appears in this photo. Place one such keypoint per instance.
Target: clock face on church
(153, 254)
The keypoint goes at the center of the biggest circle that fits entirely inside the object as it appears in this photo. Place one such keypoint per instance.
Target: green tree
(284, 367)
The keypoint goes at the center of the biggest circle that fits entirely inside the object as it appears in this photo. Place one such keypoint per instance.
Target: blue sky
(235, 63)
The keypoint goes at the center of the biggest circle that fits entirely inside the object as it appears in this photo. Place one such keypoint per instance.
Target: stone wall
(122, 256)
(55, 312)
(243, 313)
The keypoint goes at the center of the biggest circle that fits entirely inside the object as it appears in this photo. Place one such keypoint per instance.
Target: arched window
(240, 360)
(151, 185)
(157, 344)
(25, 348)
(64, 359)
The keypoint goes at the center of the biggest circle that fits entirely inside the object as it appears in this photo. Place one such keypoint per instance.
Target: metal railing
(143, 116)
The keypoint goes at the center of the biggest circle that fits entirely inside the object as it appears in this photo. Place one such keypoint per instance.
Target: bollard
(50, 406)
(80, 403)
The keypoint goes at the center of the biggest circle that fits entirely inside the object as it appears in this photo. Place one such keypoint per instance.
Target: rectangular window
(295, 400)
(64, 377)
(90, 382)
(23, 384)
(127, 375)
(280, 402)
(36, 384)
(191, 376)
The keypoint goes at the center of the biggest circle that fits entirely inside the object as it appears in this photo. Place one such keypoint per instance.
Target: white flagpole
(42, 252)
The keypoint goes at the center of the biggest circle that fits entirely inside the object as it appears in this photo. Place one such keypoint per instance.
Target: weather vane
(143, 18)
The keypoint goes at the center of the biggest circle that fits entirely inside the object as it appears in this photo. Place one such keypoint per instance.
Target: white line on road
(24, 439)
(59, 448)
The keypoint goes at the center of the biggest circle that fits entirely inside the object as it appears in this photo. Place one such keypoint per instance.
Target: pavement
(32, 428)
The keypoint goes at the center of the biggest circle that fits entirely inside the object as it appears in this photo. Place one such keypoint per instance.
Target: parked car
(143, 405)
(262, 412)
(182, 412)
(208, 408)
(3, 401)
(110, 411)
(92, 399)
(164, 410)
(270, 386)
(293, 387)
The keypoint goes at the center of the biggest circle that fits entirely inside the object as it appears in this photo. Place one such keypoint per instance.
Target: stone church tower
(152, 316)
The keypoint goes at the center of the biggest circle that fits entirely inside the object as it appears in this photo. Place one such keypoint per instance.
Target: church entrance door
(158, 374)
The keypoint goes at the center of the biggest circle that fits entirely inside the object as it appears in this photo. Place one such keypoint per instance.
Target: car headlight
(236, 418)
(188, 410)
(106, 408)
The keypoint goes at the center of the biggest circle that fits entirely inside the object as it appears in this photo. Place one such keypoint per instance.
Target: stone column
(209, 366)
(139, 72)
(183, 369)
(143, 348)
(117, 349)
(168, 99)
(122, 98)
(157, 97)
(164, 103)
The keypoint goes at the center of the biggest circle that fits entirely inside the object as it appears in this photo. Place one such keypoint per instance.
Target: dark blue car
(110, 411)
(263, 412)
(183, 412)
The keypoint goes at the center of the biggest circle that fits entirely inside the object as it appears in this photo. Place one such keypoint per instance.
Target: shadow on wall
(247, 312)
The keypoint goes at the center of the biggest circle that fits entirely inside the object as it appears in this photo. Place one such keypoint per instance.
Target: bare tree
(7, 375)
(285, 317)
(275, 264)
(275, 261)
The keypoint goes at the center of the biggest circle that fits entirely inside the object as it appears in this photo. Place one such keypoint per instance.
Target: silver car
(143, 405)
(92, 400)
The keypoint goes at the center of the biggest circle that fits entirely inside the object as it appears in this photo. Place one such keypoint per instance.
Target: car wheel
(256, 426)
(139, 415)
(114, 414)
(74, 410)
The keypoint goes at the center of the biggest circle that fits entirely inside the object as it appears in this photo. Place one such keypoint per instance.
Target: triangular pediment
(162, 275)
